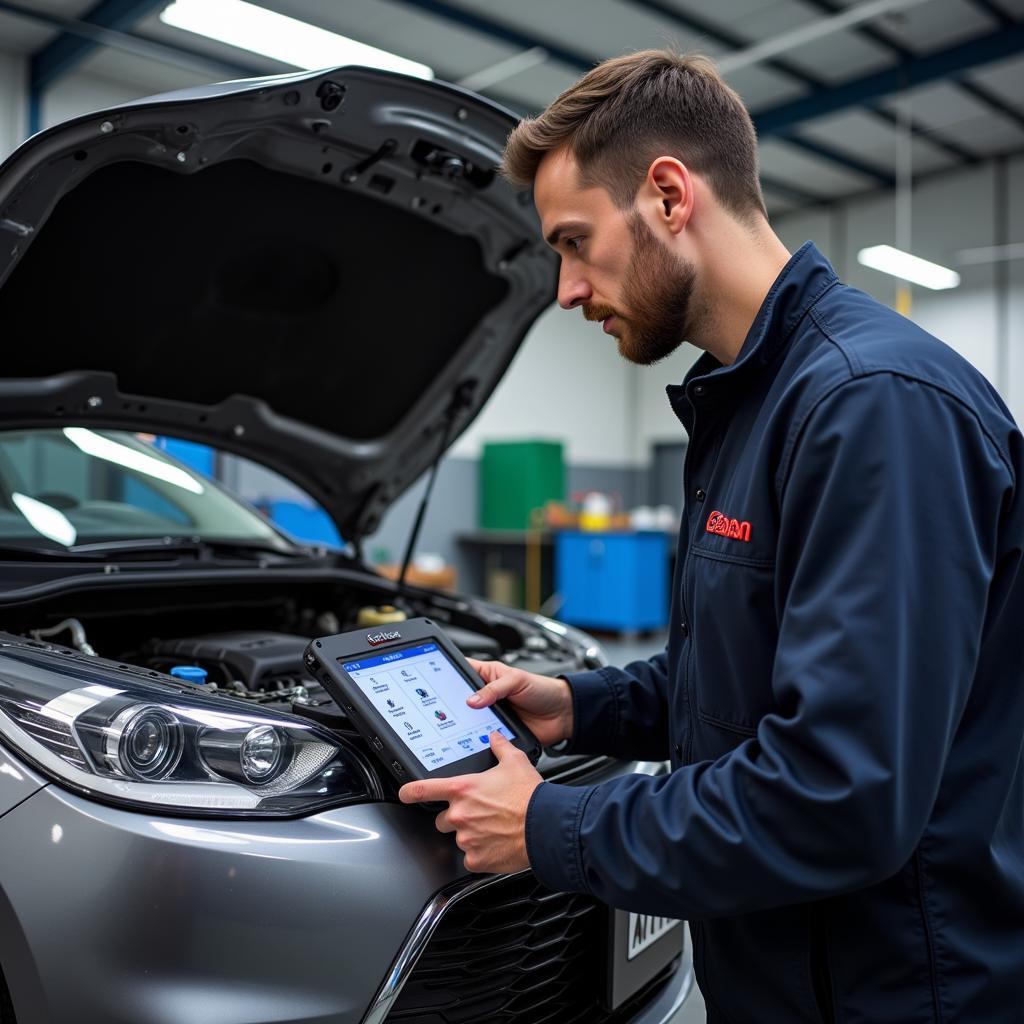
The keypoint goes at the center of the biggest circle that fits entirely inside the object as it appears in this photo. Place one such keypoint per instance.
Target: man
(842, 695)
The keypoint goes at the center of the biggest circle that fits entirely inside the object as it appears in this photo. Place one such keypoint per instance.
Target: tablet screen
(422, 697)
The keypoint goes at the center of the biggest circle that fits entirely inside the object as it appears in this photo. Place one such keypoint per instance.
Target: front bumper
(128, 918)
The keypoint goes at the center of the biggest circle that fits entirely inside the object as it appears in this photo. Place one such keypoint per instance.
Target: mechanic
(842, 694)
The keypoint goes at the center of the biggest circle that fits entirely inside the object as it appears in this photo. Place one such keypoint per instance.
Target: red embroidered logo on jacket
(720, 523)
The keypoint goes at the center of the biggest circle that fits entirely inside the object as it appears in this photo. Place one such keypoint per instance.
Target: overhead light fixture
(288, 40)
(46, 519)
(908, 267)
(100, 447)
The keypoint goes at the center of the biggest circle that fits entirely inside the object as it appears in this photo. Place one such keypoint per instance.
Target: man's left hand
(487, 812)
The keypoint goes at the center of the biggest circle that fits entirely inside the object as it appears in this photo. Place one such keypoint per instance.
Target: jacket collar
(803, 280)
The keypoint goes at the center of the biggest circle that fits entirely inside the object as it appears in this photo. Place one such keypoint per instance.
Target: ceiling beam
(803, 35)
(917, 71)
(983, 96)
(60, 55)
(994, 11)
(824, 152)
(792, 193)
(104, 25)
(988, 97)
(723, 37)
(465, 18)
(932, 137)
(730, 39)
(584, 62)
(934, 175)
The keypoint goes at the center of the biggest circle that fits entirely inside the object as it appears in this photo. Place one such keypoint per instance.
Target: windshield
(75, 485)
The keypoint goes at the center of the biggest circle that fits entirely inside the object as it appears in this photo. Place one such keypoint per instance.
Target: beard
(658, 287)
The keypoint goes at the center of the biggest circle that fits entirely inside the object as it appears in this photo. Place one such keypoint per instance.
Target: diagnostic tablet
(404, 687)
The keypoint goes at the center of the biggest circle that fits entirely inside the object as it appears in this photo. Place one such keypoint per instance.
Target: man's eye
(575, 242)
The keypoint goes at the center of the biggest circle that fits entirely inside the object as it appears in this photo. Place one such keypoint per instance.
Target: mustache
(598, 312)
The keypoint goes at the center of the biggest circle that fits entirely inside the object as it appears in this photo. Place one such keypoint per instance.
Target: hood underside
(313, 271)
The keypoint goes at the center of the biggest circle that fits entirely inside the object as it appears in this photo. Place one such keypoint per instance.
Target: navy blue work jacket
(842, 694)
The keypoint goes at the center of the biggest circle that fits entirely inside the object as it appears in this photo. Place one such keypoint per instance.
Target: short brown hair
(629, 110)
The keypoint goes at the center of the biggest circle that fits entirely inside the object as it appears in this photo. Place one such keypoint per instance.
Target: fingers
(488, 670)
(502, 748)
(511, 682)
(443, 823)
(427, 790)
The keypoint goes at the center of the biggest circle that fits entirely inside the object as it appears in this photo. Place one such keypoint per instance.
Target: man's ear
(669, 187)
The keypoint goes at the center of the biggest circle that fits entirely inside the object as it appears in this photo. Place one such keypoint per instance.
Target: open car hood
(321, 272)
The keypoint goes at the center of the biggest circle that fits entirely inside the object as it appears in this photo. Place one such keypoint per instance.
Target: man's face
(613, 265)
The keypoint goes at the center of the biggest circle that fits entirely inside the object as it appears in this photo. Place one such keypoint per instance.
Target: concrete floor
(621, 651)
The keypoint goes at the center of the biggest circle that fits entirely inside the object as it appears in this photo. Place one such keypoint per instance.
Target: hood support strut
(461, 399)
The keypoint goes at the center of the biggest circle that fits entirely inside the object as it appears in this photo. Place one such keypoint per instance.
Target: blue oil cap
(190, 673)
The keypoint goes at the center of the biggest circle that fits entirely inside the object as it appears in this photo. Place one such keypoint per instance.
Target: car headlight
(118, 734)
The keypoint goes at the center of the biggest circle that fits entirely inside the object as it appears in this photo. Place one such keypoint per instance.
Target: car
(321, 272)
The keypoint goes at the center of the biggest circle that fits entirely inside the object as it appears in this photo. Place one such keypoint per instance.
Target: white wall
(13, 93)
(77, 93)
(656, 422)
(568, 382)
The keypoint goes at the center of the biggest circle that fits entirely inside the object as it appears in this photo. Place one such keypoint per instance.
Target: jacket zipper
(688, 639)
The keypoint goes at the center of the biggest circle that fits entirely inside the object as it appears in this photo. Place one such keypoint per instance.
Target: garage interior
(883, 125)
(895, 124)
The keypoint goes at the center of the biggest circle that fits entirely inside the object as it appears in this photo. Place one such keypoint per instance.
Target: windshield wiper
(186, 545)
(116, 550)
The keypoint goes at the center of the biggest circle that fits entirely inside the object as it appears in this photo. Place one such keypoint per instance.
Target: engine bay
(246, 640)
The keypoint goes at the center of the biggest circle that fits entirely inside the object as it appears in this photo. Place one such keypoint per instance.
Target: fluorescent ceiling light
(908, 267)
(112, 451)
(46, 519)
(285, 39)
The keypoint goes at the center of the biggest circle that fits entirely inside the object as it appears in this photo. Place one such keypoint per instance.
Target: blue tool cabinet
(613, 581)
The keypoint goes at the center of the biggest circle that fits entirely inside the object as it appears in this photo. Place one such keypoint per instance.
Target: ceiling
(830, 113)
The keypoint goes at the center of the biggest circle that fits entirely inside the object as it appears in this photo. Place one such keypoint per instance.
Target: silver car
(322, 273)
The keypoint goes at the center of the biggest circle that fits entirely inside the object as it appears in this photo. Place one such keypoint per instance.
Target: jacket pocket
(734, 635)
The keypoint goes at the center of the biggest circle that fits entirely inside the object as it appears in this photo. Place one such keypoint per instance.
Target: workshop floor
(621, 651)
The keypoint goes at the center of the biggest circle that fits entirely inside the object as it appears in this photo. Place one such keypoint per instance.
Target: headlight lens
(255, 756)
(260, 753)
(144, 743)
(137, 737)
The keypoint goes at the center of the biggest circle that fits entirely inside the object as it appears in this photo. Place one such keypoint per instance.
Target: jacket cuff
(595, 712)
(553, 819)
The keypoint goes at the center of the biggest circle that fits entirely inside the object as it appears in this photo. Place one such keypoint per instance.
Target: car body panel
(164, 920)
(167, 919)
(17, 782)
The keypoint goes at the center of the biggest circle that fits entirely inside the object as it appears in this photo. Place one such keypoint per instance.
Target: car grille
(515, 953)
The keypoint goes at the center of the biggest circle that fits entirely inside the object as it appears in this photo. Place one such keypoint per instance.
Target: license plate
(645, 930)
(640, 946)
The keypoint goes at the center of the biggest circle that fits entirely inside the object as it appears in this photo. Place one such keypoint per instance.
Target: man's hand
(487, 812)
(544, 703)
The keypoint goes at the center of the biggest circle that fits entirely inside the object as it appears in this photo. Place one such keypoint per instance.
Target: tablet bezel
(325, 656)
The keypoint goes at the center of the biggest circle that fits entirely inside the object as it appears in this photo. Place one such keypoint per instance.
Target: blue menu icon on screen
(483, 740)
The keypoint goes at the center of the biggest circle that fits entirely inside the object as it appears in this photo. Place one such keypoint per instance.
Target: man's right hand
(544, 703)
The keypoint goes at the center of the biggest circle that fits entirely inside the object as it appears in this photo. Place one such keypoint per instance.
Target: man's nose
(573, 290)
